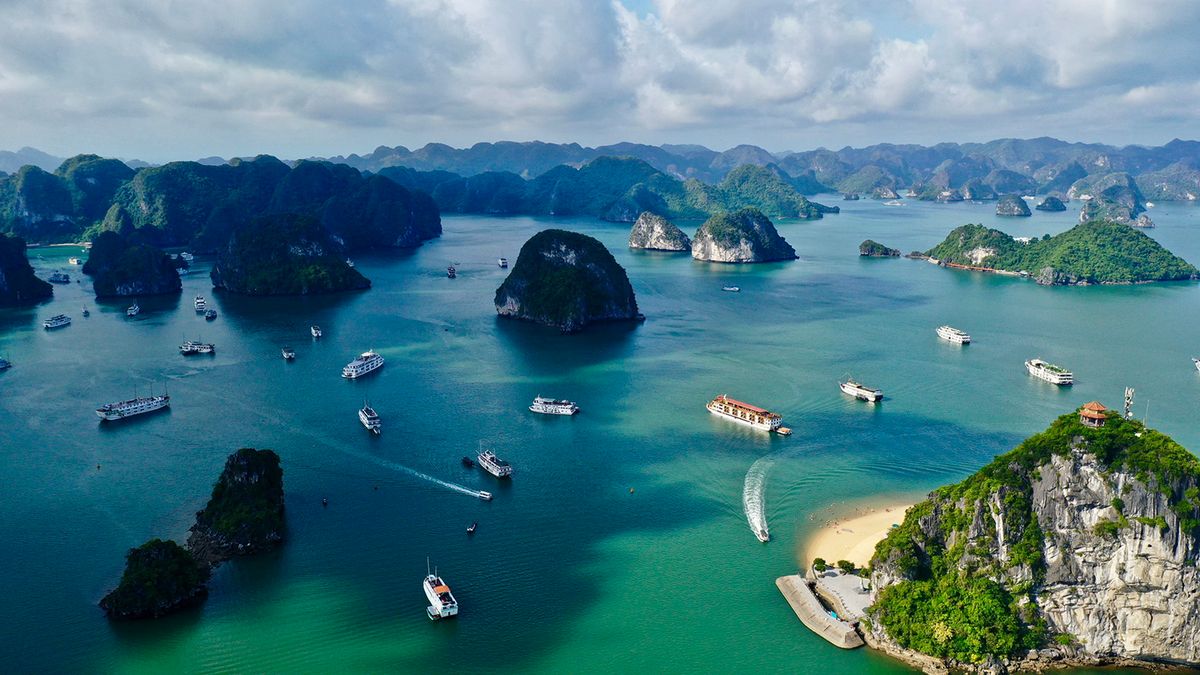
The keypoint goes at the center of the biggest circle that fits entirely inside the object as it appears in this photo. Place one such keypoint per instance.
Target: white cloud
(144, 78)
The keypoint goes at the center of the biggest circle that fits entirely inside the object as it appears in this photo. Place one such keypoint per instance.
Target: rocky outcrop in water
(566, 280)
(873, 249)
(285, 254)
(245, 514)
(1012, 205)
(121, 268)
(884, 192)
(746, 236)
(160, 577)
(1114, 197)
(18, 284)
(1078, 547)
(1051, 204)
(652, 231)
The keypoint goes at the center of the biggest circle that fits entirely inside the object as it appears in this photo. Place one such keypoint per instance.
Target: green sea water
(622, 542)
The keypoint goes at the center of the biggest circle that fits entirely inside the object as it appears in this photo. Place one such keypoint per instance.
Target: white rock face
(652, 231)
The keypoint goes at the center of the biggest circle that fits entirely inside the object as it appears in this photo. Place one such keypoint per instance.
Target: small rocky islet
(244, 516)
(655, 233)
(122, 268)
(873, 249)
(1012, 205)
(745, 236)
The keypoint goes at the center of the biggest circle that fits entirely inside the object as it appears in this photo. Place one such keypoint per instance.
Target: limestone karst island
(634, 336)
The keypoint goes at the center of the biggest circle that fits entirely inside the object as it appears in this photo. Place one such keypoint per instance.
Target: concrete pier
(806, 606)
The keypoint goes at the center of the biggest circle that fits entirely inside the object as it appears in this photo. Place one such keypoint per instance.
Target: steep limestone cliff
(1078, 547)
(746, 236)
(18, 284)
(652, 231)
(1012, 205)
(121, 268)
(245, 514)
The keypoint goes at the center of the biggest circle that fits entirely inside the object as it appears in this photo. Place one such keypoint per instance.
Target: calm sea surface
(622, 542)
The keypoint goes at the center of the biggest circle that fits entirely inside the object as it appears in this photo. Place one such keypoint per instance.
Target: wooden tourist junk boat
(751, 415)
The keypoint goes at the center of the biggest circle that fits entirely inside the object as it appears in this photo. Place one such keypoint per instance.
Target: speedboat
(74, 261)
(485, 496)
(86, 312)
(732, 289)
(471, 529)
(763, 535)
(288, 353)
(315, 330)
(133, 310)
(451, 272)
(210, 314)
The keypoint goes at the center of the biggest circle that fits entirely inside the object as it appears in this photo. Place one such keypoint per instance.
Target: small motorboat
(133, 310)
(468, 462)
(86, 312)
(315, 330)
(210, 314)
(732, 289)
(503, 263)
(451, 272)
(349, 263)
(1197, 362)
(288, 353)
(763, 535)
(74, 261)
(471, 529)
(485, 496)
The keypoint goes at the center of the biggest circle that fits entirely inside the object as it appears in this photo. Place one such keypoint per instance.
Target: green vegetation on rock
(120, 268)
(160, 577)
(746, 236)
(245, 513)
(18, 284)
(566, 280)
(285, 254)
(1101, 252)
(874, 249)
(1012, 205)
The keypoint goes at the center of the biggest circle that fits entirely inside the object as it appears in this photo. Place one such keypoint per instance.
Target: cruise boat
(133, 310)
(471, 529)
(315, 330)
(441, 601)
(74, 261)
(193, 347)
(370, 419)
(1049, 372)
(861, 392)
(503, 263)
(289, 354)
(551, 406)
(732, 289)
(763, 420)
(366, 362)
(451, 272)
(494, 465)
(56, 321)
(954, 335)
(135, 406)
(199, 303)
(59, 278)
(210, 314)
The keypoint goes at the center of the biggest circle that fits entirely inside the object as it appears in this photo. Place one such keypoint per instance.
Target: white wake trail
(753, 500)
(424, 476)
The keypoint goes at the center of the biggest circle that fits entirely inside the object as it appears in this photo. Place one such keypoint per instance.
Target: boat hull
(761, 426)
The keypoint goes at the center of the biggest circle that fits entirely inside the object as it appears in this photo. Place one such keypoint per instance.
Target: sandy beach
(853, 538)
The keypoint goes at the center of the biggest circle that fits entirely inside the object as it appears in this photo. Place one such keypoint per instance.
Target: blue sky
(172, 79)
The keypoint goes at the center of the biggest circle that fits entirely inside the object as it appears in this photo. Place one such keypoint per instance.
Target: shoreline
(852, 537)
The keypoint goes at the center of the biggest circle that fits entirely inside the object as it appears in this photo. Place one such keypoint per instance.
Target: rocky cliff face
(1080, 546)
(160, 577)
(18, 284)
(566, 280)
(285, 254)
(874, 249)
(746, 236)
(1012, 205)
(1114, 197)
(652, 231)
(120, 268)
(245, 514)
(1051, 204)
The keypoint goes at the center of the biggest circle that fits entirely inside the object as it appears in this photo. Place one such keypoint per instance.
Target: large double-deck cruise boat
(751, 415)
(200, 303)
(193, 347)
(135, 406)
(56, 321)
(370, 419)
(494, 465)
(1049, 372)
(953, 335)
(366, 362)
(861, 392)
(441, 601)
(553, 406)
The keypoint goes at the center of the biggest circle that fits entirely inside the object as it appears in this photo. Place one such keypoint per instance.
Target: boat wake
(424, 476)
(753, 501)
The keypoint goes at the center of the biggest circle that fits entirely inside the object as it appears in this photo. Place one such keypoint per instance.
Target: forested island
(120, 268)
(1095, 252)
(18, 284)
(285, 254)
(1077, 547)
(745, 236)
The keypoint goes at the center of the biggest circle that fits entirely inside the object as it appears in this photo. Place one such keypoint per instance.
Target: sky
(169, 79)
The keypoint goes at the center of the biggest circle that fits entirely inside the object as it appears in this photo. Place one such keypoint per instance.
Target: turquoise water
(570, 571)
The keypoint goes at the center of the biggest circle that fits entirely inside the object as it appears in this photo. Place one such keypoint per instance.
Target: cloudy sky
(173, 79)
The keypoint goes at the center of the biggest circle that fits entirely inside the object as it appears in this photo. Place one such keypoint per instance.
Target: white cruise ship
(494, 465)
(199, 303)
(370, 419)
(193, 347)
(552, 406)
(763, 420)
(56, 321)
(861, 392)
(953, 335)
(1049, 372)
(441, 601)
(365, 363)
(134, 406)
